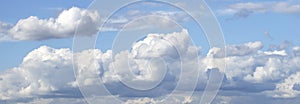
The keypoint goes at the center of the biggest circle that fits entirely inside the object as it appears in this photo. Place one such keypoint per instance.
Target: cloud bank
(47, 73)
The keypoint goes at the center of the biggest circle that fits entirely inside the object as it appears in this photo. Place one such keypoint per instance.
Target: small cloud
(243, 13)
(268, 35)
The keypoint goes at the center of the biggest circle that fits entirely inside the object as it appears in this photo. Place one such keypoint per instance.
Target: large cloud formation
(64, 26)
(48, 73)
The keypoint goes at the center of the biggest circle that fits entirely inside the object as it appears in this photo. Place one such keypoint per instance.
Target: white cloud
(281, 52)
(270, 71)
(41, 72)
(64, 26)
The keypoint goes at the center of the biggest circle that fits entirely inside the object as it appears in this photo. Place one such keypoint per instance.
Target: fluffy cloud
(159, 61)
(42, 71)
(65, 25)
(243, 10)
(246, 67)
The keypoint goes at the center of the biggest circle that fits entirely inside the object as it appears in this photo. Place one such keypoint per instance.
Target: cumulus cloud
(48, 73)
(243, 10)
(159, 57)
(64, 26)
(42, 71)
(252, 66)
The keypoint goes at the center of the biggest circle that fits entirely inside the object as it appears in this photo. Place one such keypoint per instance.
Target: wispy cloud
(243, 10)
(136, 19)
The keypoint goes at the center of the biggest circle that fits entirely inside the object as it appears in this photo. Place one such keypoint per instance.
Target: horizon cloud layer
(48, 73)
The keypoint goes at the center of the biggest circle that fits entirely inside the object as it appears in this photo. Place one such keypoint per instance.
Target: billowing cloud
(41, 72)
(48, 73)
(64, 26)
(243, 10)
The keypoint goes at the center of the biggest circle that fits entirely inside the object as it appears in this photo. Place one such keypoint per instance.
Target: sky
(150, 51)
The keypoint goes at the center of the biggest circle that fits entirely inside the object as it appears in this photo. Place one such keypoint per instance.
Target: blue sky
(254, 30)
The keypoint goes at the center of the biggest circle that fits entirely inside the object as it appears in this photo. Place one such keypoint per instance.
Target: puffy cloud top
(41, 72)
